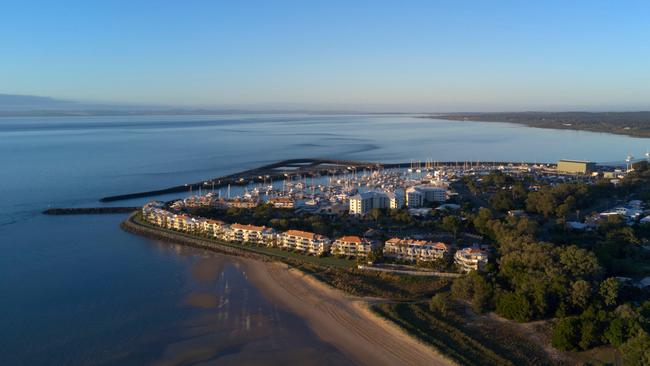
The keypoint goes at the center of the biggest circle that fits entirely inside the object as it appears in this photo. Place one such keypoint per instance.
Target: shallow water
(78, 290)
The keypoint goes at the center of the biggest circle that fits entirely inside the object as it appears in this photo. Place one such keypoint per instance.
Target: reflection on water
(238, 326)
(78, 290)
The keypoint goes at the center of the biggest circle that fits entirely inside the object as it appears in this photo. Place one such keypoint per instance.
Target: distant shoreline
(633, 124)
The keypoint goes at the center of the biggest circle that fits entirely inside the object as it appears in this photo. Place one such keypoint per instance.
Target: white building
(213, 228)
(414, 250)
(414, 198)
(470, 259)
(281, 202)
(352, 246)
(361, 203)
(396, 199)
(418, 195)
(250, 234)
(305, 242)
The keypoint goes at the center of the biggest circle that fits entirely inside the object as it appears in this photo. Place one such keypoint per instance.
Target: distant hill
(623, 123)
(13, 102)
(12, 105)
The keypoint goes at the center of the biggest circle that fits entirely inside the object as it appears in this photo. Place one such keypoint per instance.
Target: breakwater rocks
(269, 172)
(132, 226)
(89, 210)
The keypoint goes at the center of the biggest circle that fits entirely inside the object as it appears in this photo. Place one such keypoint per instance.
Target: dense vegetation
(625, 123)
(546, 271)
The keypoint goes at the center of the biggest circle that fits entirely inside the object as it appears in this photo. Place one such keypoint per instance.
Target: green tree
(579, 263)
(476, 289)
(501, 201)
(565, 208)
(580, 294)
(616, 332)
(482, 222)
(441, 303)
(636, 351)
(513, 305)
(609, 291)
(566, 334)
(451, 224)
(589, 333)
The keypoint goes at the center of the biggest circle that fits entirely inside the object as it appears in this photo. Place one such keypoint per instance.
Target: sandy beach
(341, 320)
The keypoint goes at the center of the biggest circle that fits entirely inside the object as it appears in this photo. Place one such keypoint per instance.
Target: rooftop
(304, 234)
(351, 239)
(247, 227)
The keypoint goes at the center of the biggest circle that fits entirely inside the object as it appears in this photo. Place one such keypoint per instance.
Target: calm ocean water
(78, 290)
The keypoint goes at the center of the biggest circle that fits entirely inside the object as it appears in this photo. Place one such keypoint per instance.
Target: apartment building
(353, 246)
(470, 259)
(250, 234)
(185, 223)
(414, 250)
(396, 199)
(304, 241)
(213, 228)
(361, 203)
(419, 195)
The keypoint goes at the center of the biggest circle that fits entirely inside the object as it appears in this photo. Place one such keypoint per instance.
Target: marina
(315, 168)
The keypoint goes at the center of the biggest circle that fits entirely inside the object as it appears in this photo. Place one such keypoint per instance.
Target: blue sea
(77, 290)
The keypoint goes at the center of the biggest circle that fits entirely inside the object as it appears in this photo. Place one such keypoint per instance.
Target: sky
(420, 56)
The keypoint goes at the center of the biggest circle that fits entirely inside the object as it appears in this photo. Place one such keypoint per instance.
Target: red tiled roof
(247, 227)
(398, 241)
(351, 239)
(441, 245)
(304, 234)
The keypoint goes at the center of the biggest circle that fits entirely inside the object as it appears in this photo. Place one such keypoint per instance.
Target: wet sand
(341, 320)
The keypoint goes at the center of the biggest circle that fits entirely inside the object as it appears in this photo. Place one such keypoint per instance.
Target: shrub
(513, 305)
(566, 334)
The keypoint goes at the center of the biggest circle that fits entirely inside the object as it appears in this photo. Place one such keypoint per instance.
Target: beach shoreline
(337, 318)
(340, 319)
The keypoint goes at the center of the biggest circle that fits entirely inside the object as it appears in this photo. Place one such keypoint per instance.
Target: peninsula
(486, 264)
(622, 123)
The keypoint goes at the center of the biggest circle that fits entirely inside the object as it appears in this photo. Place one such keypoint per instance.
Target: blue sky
(376, 55)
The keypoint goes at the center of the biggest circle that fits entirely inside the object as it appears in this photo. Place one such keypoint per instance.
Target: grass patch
(379, 284)
(468, 342)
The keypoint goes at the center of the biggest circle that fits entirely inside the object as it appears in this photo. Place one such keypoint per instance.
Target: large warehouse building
(575, 166)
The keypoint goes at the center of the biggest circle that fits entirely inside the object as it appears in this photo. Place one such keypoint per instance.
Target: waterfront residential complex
(414, 250)
(250, 234)
(403, 249)
(352, 246)
(304, 241)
